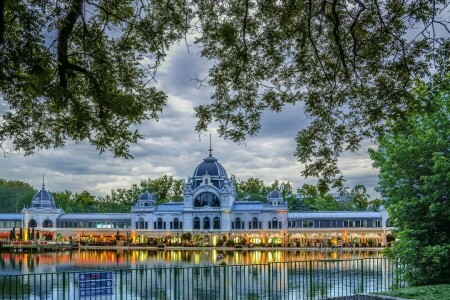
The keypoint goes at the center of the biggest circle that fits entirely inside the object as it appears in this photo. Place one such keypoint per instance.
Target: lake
(90, 259)
(192, 274)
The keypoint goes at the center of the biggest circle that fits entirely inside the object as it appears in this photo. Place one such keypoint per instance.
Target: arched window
(206, 199)
(160, 223)
(196, 223)
(206, 223)
(216, 223)
(32, 223)
(274, 223)
(255, 223)
(141, 223)
(47, 223)
(176, 223)
(237, 223)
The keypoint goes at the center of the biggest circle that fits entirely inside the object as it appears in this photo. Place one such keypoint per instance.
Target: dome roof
(43, 199)
(211, 167)
(274, 195)
(147, 196)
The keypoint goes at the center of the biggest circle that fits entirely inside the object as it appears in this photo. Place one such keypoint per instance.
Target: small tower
(275, 198)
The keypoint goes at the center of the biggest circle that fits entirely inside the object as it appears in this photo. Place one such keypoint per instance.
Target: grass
(427, 292)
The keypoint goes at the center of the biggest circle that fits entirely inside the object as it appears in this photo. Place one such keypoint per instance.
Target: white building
(209, 214)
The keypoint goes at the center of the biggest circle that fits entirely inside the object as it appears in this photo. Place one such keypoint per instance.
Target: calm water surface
(56, 262)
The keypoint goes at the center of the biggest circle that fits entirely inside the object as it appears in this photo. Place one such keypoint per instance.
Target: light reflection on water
(55, 262)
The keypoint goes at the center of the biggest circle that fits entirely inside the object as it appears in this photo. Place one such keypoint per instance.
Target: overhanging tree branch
(63, 40)
(2, 22)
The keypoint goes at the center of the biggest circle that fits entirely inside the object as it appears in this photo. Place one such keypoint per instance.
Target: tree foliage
(15, 195)
(83, 202)
(360, 197)
(352, 64)
(414, 162)
(82, 69)
(165, 188)
(79, 69)
(315, 199)
(254, 189)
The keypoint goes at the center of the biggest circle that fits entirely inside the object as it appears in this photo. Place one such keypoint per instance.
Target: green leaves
(414, 164)
(76, 70)
(82, 69)
(15, 195)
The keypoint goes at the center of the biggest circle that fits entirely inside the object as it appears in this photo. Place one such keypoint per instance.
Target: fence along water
(281, 280)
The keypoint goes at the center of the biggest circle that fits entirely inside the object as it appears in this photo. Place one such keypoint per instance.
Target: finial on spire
(43, 181)
(210, 148)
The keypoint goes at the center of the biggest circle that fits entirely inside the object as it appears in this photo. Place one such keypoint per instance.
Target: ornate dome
(147, 196)
(274, 195)
(146, 199)
(210, 167)
(43, 199)
(275, 198)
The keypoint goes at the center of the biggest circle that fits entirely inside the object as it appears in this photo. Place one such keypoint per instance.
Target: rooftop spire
(210, 148)
(43, 181)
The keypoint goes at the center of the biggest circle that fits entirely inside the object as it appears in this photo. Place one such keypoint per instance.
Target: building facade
(209, 215)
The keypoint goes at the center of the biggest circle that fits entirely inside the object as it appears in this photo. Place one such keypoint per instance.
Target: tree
(81, 69)
(315, 199)
(65, 200)
(15, 195)
(165, 188)
(254, 189)
(414, 162)
(359, 197)
(251, 189)
(351, 63)
(77, 203)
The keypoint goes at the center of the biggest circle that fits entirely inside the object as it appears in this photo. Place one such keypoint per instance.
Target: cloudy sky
(171, 146)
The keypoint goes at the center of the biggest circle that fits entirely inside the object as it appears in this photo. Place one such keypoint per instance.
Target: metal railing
(281, 280)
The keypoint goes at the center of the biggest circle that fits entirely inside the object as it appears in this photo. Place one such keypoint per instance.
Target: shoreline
(308, 249)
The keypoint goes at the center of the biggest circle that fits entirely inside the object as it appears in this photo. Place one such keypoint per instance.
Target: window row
(93, 224)
(160, 224)
(333, 223)
(207, 223)
(255, 224)
(10, 224)
(47, 223)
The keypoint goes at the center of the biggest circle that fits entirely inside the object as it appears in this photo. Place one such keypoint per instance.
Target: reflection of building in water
(209, 214)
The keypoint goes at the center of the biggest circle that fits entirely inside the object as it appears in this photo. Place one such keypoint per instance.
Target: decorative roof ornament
(210, 148)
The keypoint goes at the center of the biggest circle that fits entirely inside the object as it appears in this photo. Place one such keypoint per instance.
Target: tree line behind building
(15, 195)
